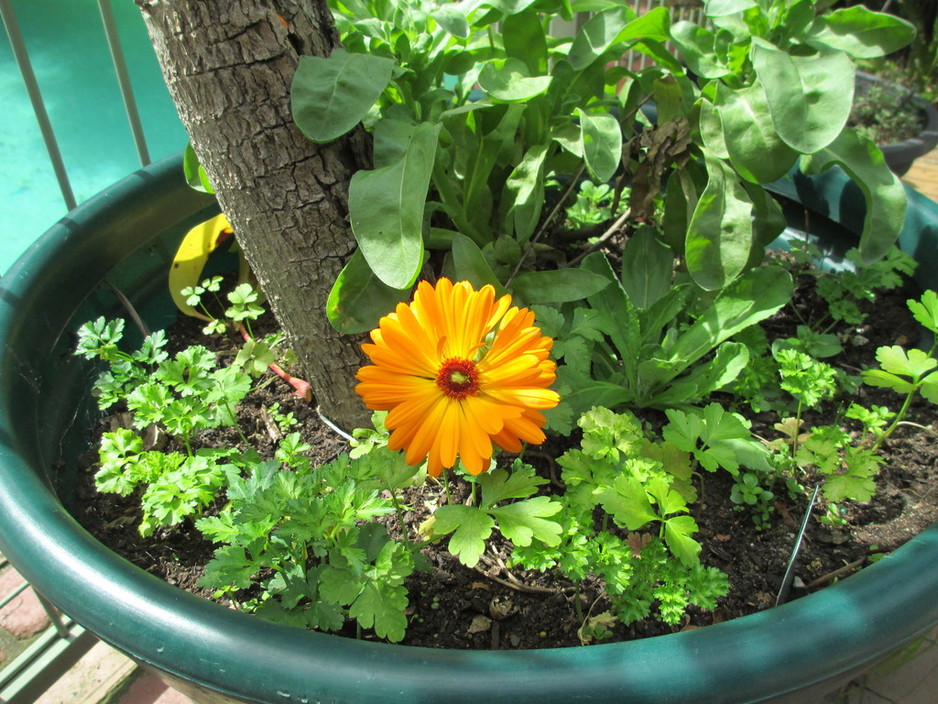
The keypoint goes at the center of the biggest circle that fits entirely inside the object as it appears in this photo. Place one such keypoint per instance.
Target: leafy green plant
(521, 520)
(300, 538)
(181, 396)
(748, 492)
(639, 485)
(477, 108)
(476, 116)
(592, 205)
(909, 372)
(845, 289)
(644, 342)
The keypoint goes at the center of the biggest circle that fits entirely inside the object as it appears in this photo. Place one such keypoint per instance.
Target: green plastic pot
(125, 237)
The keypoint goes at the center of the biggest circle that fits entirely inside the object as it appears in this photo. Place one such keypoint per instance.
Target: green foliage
(715, 438)
(845, 289)
(299, 537)
(480, 112)
(886, 114)
(849, 468)
(909, 372)
(748, 491)
(519, 521)
(673, 351)
(810, 381)
(592, 205)
(638, 484)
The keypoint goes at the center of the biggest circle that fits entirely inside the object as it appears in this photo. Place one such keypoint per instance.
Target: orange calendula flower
(458, 370)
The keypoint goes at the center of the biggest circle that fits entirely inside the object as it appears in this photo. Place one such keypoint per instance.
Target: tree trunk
(228, 65)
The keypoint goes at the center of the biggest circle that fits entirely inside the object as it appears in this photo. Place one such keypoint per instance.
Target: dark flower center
(458, 378)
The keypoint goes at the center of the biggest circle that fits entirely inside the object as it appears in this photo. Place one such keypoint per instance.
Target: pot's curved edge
(775, 651)
(901, 155)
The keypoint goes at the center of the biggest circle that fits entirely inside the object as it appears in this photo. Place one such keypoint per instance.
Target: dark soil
(493, 608)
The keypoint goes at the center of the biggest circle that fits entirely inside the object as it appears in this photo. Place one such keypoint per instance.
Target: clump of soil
(491, 607)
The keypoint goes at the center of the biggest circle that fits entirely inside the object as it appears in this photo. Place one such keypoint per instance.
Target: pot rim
(837, 631)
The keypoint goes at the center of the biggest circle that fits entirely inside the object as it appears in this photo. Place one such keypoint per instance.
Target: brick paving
(21, 619)
(24, 616)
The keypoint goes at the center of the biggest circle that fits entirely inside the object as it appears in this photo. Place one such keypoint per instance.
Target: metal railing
(64, 642)
(21, 55)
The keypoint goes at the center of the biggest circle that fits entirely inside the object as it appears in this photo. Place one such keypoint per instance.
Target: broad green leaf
(500, 485)
(719, 235)
(524, 39)
(698, 48)
(860, 32)
(329, 96)
(703, 379)
(391, 141)
(926, 311)
(721, 8)
(195, 174)
(470, 265)
(525, 189)
(597, 35)
(883, 191)
(230, 567)
(557, 285)
(509, 7)
(839, 487)
(768, 219)
(662, 312)
(382, 608)
(358, 298)
(509, 81)
(668, 500)
(711, 131)
(929, 387)
(677, 534)
(647, 268)
(470, 526)
(914, 362)
(753, 297)
(523, 520)
(809, 97)
(619, 316)
(386, 209)
(569, 137)
(602, 144)
(877, 377)
(583, 392)
(628, 503)
(722, 425)
(680, 200)
(755, 148)
(452, 18)
(615, 28)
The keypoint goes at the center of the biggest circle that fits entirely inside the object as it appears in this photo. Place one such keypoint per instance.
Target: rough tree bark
(228, 65)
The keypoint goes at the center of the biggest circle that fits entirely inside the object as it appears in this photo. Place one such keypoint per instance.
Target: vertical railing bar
(123, 80)
(54, 616)
(35, 97)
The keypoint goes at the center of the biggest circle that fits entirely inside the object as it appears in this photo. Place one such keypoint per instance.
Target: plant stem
(794, 440)
(896, 420)
(399, 509)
